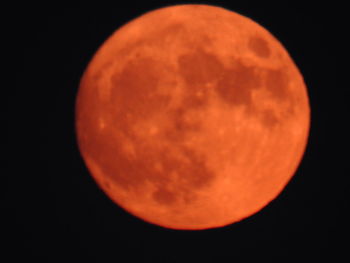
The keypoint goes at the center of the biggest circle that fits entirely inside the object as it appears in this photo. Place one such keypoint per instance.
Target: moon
(192, 117)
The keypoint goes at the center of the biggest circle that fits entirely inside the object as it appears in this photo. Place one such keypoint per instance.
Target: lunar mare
(195, 122)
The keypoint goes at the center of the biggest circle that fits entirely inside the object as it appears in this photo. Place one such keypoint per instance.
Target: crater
(259, 46)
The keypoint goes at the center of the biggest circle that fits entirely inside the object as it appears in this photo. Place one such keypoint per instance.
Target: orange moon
(192, 117)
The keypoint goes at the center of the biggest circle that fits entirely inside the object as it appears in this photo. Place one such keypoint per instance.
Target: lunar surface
(192, 117)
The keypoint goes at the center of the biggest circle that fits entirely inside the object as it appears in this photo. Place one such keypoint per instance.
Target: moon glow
(192, 117)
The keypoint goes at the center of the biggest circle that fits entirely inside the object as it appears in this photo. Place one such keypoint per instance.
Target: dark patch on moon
(197, 98)
(199, 68)
(181, 124)
(192, 175)
(161, 38)
(134, 88)
(277, 83)
(164, 196)
(259, 46)
(269, 118)
(172, 32)
(236, 84)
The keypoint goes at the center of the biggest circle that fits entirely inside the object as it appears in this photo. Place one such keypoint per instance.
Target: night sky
(56, 212)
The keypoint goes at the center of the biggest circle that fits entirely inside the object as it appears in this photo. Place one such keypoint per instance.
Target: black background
(58, 214)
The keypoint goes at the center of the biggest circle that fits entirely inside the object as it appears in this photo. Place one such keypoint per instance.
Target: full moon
(192, 117)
